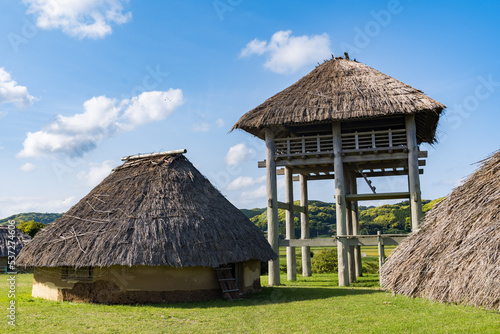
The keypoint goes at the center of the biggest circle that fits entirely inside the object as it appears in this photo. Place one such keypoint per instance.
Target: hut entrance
(230, 281)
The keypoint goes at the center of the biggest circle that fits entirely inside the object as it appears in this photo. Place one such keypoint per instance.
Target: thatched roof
(17, 236)
(455, 257)
(155, 210)
(343, 89)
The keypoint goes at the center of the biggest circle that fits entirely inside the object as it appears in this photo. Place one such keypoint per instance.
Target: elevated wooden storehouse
(455, 256)
(155, 230)
(13, 240)
(344, 120)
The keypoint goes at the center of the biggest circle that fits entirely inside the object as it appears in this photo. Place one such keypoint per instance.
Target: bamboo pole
(413, 173)
(355, 225)
(340, 205)
(304, 227)
(291, 261)
(272, 208)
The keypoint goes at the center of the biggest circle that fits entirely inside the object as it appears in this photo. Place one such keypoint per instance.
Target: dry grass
(455, 257)
(151, 211)
(342, 89)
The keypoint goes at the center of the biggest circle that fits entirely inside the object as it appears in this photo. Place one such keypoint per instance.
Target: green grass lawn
(310, 305)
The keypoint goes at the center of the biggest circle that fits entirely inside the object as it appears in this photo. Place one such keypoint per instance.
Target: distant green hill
(44, 218)
(390, 218)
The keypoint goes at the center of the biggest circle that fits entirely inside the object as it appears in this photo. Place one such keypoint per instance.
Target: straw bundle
(156, 211)
(342, 89)
(455, 257)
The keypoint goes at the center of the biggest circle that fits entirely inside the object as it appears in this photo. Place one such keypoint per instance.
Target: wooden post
(272, 208)
(340, 205)
(350, 249)
(413, 174)
(355, 225)
(381, 251)
(304, 227)
(291, 264)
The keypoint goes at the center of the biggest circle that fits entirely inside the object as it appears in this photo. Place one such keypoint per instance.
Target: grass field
(310, 305)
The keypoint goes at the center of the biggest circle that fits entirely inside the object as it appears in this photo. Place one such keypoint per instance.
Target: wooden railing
(356, 142)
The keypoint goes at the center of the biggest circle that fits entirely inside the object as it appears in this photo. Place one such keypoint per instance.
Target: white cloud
(79, 18)
(220, 123)
(254, 194)
(10, 205)
(244, 182)
(286, 53)
(28, 167)
(11, 92)
(201, 127)
(102, 118)
(96, 173)
(238, 153)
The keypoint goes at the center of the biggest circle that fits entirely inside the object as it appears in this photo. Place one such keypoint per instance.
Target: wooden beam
(291, 261)
(285, 206)
(272, 208)
(381, 251)
(350, 249)
(340, 202)
(413, 173)
(379, 196)
(304, 227)
(359, 240)
(347, 158)
(152, 155)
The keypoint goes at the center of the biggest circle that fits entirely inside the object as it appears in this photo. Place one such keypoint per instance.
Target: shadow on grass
(275, 295)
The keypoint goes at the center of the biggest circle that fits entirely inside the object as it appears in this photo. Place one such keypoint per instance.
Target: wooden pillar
(381, 251)
(304, 227)
(291, 261)
(272, 208)
(413, 175)
(355, 225)
(340, 205)
(350, 249)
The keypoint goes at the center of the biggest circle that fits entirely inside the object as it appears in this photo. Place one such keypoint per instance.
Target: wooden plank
(272, 208)
(365, 240)
(285, 206)
(378, 196)
(151, 155)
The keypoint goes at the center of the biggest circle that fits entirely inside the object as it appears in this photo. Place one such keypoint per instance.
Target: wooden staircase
(228, 284)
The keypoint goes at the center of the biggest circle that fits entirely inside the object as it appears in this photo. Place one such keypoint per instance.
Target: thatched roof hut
(152, 212)
(342, 89)
(455, 257)
(14, 235)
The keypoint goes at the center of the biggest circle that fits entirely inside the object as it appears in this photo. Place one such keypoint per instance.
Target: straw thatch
(455, 257)
(343, 89)
(19, 238)
(154, 211)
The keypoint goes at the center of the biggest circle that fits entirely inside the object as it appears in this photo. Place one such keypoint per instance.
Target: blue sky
(85, 82)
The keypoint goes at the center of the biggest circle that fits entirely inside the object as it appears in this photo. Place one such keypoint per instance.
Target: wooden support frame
(340, 203)
(304, 227)
(291, 261)
(377, 196)
(358, 267)
(272, 208)
(351, 240)
(381, 250)
(350, 249)
(413, 173)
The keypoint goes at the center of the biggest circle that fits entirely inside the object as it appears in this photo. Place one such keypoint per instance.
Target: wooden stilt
(304, 227)
(413, 173)
(381, 251)
(272, 208)
(291, 261)
(350, 249)
(355, 225)
(340, 205)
